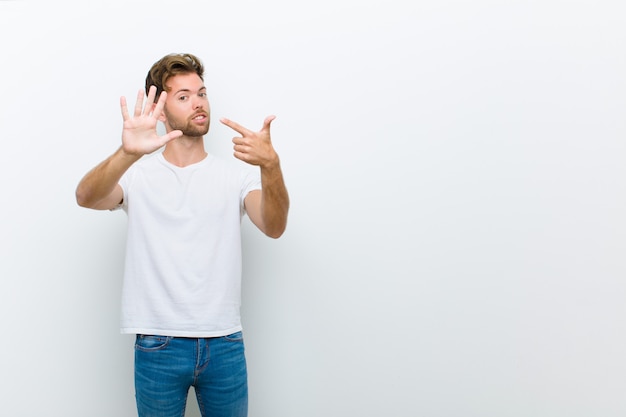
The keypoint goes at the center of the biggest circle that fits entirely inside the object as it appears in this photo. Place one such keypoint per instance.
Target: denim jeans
(165, 368)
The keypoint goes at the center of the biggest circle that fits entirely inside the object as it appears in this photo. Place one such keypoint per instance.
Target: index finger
(235, 126)
(160, 104)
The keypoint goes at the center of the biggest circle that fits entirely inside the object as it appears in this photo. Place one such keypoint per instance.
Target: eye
(182, 98)
(202, 94)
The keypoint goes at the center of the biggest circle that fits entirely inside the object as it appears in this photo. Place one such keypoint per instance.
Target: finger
(266, 123)
(150, 101)
(241, 156)
(162, 140)
(235, 126)
(241, 148)
(159, 105)
(172, 135)
(139, 103)
(238, 140)
(124, 107)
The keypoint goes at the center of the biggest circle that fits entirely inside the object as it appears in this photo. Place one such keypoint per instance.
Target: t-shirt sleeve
(251, 180)
(124, 184)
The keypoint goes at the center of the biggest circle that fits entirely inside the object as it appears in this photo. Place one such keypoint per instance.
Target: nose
(197, 103)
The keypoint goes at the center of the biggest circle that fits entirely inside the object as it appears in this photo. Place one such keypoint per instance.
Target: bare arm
(268, 208)
(99, 188)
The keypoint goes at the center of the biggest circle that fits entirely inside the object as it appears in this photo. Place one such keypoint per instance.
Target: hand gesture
(139, 136)
(254, 148)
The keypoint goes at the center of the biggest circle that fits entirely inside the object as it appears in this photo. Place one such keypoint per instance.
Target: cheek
(171, 111)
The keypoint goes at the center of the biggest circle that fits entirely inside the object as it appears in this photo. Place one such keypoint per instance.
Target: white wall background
(457, 239)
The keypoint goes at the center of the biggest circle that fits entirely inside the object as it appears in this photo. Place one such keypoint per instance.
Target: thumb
(266, 123)
(174, 134)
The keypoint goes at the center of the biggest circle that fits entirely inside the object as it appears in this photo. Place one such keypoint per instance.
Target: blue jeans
(165, 368)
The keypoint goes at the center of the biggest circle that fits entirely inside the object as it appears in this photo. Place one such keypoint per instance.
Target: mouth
(200, 117)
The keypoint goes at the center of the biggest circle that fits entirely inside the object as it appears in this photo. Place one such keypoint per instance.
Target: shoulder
(150, 160)
(147, 164)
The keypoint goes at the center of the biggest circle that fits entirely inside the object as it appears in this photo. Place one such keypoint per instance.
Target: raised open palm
(139, 135)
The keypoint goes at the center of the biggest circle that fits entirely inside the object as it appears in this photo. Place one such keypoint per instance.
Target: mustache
(200, 113)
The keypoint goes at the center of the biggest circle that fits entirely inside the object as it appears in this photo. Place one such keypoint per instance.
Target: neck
(185, 151)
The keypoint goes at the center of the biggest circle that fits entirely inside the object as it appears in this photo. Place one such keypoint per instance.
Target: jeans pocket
(149, 343)
(235, 337)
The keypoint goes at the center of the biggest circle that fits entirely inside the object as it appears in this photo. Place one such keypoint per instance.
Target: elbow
(275, 232)
(274, 235)
(83, 199)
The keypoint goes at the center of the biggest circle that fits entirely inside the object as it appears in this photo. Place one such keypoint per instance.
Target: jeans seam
(239, 337)
(155, 348)
(200, 403)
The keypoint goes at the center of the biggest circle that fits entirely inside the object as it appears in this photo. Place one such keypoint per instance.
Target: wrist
(271, 163)
(128, 156)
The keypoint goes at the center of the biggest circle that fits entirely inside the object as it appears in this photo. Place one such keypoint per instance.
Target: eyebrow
(187, 90)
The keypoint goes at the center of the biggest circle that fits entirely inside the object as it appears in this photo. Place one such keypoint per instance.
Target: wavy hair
(170, 65)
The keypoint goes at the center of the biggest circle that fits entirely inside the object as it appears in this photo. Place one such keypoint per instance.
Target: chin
(196, 132)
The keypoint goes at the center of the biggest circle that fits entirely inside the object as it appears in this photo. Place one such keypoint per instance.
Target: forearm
(100, 182)
(274, 200)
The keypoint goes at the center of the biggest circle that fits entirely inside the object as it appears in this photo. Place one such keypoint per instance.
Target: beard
(188, 127)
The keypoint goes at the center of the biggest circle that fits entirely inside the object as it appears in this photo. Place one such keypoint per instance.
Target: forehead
(184, 82)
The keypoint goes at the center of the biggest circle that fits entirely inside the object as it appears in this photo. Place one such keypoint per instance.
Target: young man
(182, 279)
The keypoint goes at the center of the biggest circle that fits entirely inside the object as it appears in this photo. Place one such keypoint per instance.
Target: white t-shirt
(182, 273)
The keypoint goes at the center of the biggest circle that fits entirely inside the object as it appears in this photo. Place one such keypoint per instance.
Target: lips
(199, 117)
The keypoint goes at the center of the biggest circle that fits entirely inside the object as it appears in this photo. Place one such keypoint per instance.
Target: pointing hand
(255, 148)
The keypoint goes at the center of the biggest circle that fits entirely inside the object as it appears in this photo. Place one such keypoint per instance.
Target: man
(182, 279)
